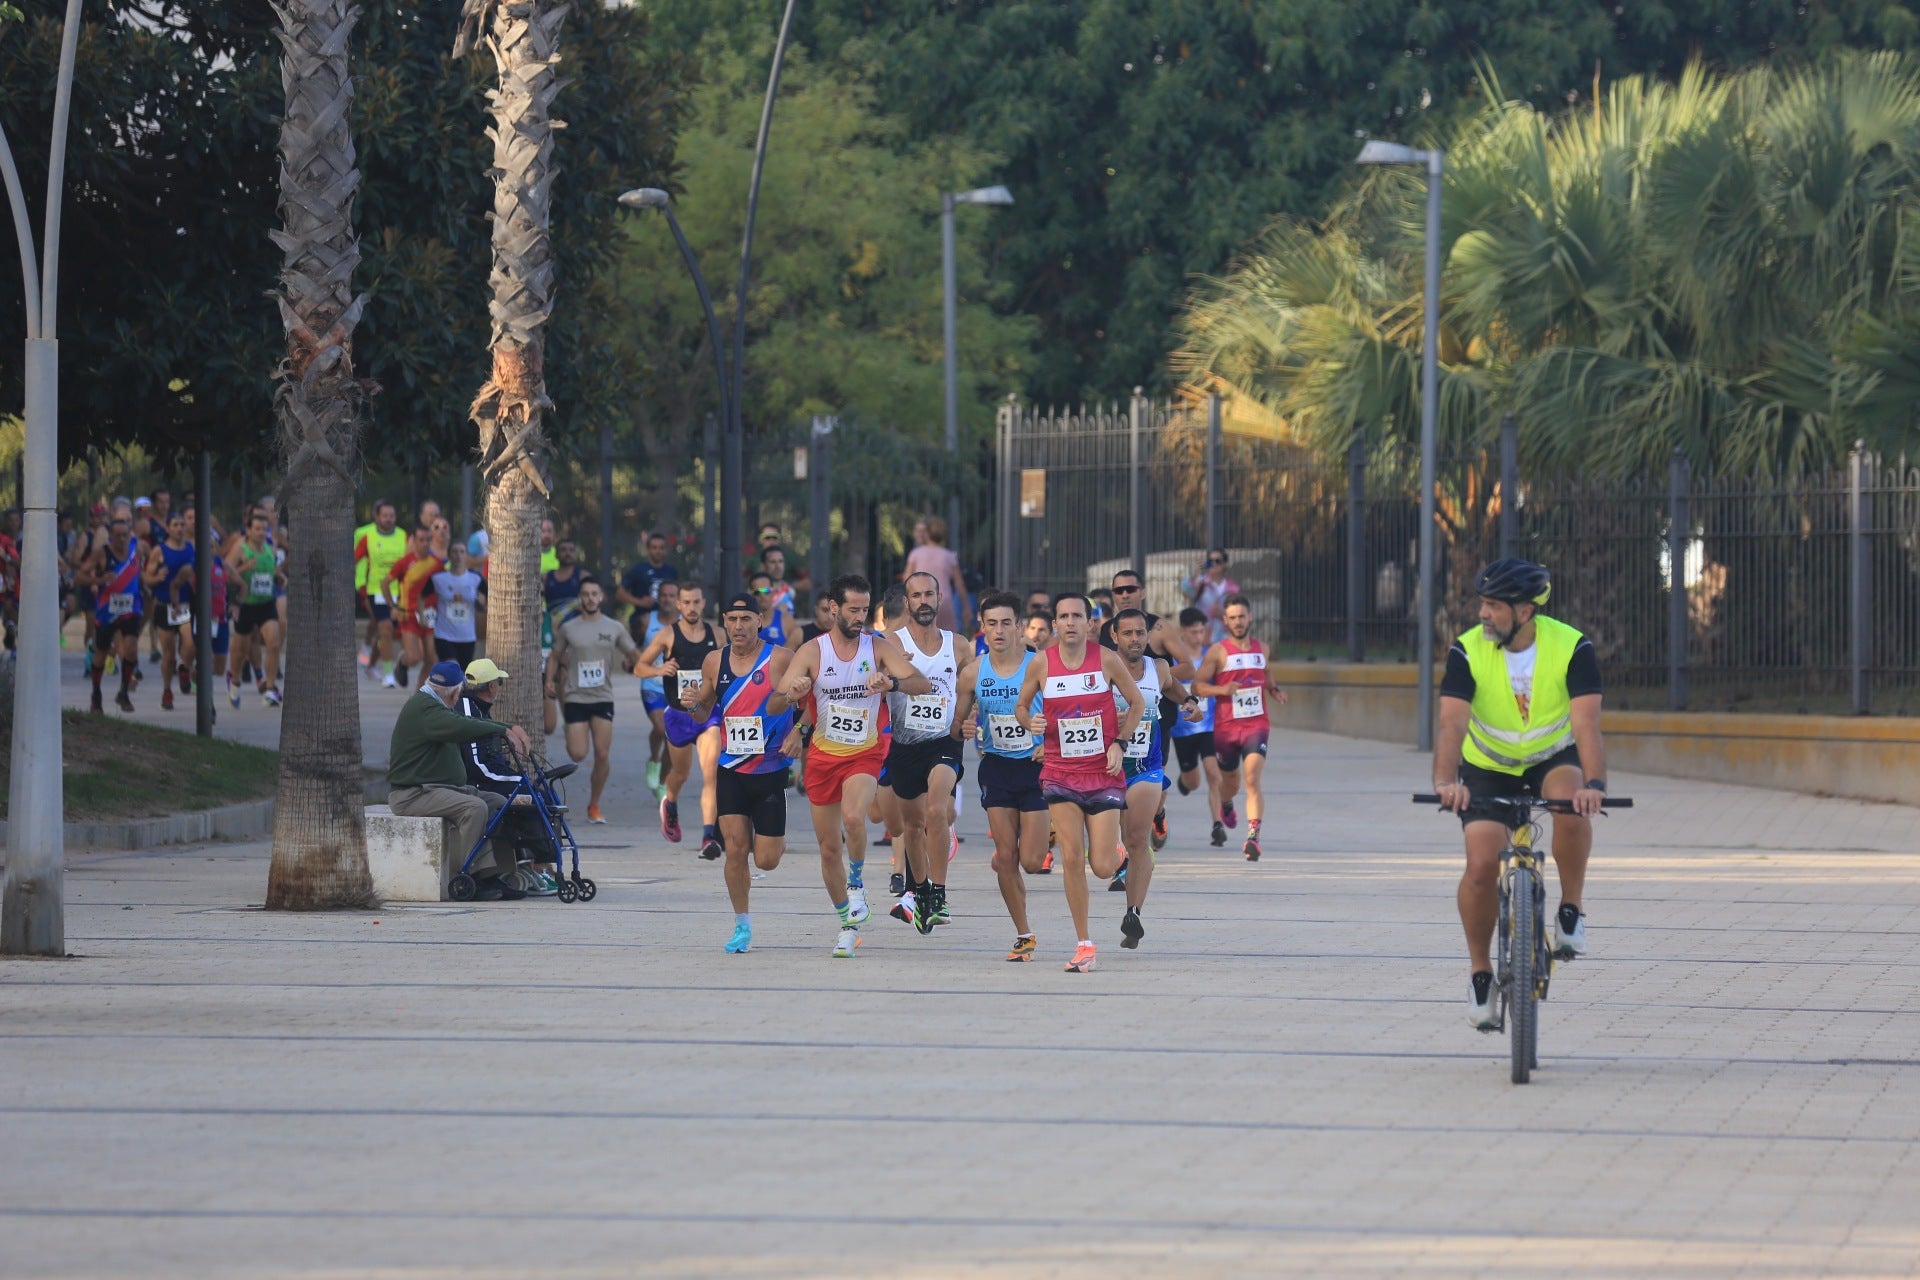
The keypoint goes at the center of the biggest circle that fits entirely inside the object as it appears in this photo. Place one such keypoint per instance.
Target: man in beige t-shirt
(586, 649)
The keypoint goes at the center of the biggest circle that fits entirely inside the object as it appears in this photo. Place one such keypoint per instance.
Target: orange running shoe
(1082, 961)
(1023, 949)
(593, 814)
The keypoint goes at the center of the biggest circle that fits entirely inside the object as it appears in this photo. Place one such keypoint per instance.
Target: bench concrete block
(407, 856)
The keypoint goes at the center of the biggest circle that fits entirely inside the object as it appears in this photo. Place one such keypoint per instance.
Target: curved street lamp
(949, 323)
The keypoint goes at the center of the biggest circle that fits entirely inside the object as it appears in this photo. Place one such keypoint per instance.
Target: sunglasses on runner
(1126, 591)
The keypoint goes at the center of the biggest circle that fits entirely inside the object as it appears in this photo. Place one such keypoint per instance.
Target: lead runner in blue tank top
(988, 712)
(740, 686)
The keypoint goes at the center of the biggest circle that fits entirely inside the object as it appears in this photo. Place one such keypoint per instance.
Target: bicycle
(1522, 972)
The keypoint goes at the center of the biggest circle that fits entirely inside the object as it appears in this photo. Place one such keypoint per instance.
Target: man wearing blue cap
(426, 777)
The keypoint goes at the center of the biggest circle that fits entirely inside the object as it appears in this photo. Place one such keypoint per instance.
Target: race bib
(689, 687)
(179, 614)
(1007, 734)
(926, 711)
(1247, 702)
(847, 725)
(1142, 740)
(121, 604)
(589, 675)
(1080, 736)
(746, 735)
(259, 584)
(459, 612)
(429, 616)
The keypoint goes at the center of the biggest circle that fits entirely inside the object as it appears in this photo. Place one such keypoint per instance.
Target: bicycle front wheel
(1523, 962)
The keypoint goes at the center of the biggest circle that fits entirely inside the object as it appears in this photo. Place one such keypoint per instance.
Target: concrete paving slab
(1280, 1081)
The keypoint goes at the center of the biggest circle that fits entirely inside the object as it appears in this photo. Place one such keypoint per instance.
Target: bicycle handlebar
(1528, 802)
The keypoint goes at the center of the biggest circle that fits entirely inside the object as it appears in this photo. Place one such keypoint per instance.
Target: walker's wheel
(567, 891)
(588, 889)
(463, 887)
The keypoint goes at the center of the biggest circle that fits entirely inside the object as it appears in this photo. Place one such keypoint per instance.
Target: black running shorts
(910, 764)
(1011, 784)
(1192, 749)
(581, 712)
(760, 798)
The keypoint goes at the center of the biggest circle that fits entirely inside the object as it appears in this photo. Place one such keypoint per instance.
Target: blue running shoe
(741, 940)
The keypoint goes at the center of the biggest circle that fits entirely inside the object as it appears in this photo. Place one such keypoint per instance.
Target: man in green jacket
(426, 777)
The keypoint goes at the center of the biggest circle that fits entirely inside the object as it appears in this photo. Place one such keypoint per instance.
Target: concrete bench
(409, 857)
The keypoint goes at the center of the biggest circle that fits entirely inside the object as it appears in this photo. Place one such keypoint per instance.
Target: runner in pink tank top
(1083, 737)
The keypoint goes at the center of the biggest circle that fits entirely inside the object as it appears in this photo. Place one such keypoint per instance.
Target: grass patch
(116, 770)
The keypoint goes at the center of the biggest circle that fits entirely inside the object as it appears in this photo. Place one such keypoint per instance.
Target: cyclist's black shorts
(1491, 784)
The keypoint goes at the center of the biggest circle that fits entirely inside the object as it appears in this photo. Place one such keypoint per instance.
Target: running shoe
(154, 657)
(366, 656)
(186, 678)
(939, 914)
(884, 842)
(846, 944)
(1185, 790)
(1119, 882)
(95, 706)
(1251, 849)
(1022, 951)
(1228, 816)
(122, 701)
(896, 884)
(1569, 932)
(387, 681)
(857, 909)
(1219, 835)
(742, 939)
(1131, 930)
(1046, 863)
(1158, 841)
(653, 776)
(907, 911)
(594, 815)
(711, 848)
(953, 845)
(1082, 961)
(233, 693)
(272, 696)
(1480, 1002)
(166, 698)
(670, 820)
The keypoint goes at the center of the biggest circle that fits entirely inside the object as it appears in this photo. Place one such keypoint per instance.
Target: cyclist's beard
(1502, 638)
(925, 614)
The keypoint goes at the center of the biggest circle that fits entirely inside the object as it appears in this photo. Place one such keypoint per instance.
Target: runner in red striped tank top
(1234, 674)
(1084, 735)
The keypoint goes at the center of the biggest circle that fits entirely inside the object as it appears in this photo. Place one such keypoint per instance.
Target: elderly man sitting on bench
(426, 777)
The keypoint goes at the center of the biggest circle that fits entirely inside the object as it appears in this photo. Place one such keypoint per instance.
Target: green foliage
(1148, 140)
(844, 313)
(1718, 265)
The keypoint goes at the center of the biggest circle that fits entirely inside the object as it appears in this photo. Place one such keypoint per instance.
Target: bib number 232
(1080, 736)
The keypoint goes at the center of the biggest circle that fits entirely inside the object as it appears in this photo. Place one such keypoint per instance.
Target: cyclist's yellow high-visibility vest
(1498, 738)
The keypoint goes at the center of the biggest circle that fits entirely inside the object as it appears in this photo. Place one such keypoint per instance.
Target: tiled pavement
(1280, 1081)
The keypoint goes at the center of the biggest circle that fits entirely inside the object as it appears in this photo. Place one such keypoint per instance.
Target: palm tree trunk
(523, 36)
(319, 828)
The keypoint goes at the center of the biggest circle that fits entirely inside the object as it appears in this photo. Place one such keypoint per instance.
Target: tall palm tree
(524, 37)
(319, 831)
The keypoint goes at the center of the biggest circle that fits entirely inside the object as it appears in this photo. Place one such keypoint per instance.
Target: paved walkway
(1280, 1081)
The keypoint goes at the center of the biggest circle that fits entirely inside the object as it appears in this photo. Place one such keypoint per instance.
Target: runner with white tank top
(924, 765)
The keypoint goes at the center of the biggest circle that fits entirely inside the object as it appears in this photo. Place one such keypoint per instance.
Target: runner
(1144, 763)
(1519, 714)
(580, 674)
(561, 587)
(255, 569)
(1164, 642)
(923, 764)
(678, 654)
(822, 619)
(640, 585)
(169, 582)
(394, 587)
(374, 555)
(839, 681)
(114, 574)
(744, 681)
(1193, 739)
(549, 556)
(1081, 774)
(774, 560)
(1009, 760)
(1235, 672)
(458, 590)
(777, 626)
(1039, 633)
(415, 599)
(653, 693)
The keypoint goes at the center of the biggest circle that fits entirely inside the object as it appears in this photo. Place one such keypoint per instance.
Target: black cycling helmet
(1514, 581)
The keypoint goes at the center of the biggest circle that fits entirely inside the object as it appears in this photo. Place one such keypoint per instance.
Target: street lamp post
(948, 305)
(733, 433)
(1377, 152)
(32, 915)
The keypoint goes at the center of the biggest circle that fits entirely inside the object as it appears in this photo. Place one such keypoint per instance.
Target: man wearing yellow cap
(489, 768)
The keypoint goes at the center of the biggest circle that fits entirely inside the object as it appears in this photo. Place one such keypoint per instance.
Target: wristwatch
(896, 681)
(1597, 784)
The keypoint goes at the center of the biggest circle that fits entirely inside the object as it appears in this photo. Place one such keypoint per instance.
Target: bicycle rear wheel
(1523, 961)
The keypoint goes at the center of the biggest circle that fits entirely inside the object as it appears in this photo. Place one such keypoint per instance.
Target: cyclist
(1519, 714)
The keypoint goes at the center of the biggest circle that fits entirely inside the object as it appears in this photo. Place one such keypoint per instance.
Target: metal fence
(1795, 593)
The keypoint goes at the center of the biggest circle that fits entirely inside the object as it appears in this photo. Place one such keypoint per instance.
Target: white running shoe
(388, 682)
(1481, 1012)
(1566, 944)
(846, 944)
(857, 910)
